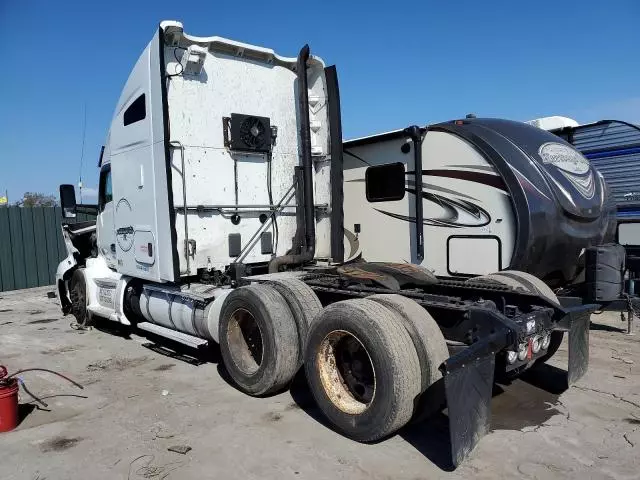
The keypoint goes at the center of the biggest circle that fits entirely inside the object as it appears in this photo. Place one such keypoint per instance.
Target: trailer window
(385, 183)
(105, 194)
(136, 111)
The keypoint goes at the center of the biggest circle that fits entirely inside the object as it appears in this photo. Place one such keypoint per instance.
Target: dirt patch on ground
(273, 417)
(44, 320)
(54, 351)
(116, 363)
(58, 444)
(164, 367)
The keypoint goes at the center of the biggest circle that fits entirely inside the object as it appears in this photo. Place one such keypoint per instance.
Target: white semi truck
(221, 219)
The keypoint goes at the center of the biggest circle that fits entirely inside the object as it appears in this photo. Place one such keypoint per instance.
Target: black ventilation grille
(250, 133)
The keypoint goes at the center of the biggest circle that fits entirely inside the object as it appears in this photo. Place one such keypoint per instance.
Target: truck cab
(201, 173)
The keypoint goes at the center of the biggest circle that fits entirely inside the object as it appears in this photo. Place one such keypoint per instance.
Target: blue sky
(398, 63)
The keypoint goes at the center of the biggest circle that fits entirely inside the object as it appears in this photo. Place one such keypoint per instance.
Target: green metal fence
(31, 246)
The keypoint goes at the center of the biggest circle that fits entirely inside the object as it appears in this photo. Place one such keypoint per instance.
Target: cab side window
(135, 112)
(105, 194)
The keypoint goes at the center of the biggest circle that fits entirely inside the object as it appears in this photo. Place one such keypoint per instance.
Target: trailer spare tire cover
(304, 305)
(425, 333)
(383, 351)
(258, 339)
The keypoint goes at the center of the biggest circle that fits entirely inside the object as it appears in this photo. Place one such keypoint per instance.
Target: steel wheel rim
(346, 372)
(244, 338)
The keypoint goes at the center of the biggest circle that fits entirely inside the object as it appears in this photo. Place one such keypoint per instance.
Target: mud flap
(468, 391)
(577, 324)
(468, 384)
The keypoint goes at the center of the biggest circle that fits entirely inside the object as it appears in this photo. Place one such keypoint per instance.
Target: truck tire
(78, 296)
(529, 283)
(258, 339)
(304, 305)
(425, 334)
(362, 369)
(523, 280)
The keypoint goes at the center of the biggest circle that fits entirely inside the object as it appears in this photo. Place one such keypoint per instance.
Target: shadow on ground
(113, 328)
(606, 328)
(164, 346)
(24, 410)
(548, 378)
(528, 401)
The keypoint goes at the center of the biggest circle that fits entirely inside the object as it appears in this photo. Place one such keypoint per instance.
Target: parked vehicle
(220, 219)
(613, 148)
(474, 196)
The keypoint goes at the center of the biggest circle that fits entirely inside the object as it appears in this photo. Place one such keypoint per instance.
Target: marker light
(535, 344)
(522, 351)
(546, 340)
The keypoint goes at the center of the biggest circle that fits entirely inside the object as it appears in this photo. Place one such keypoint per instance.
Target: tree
(35, 199)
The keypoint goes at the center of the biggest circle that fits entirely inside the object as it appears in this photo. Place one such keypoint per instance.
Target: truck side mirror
(385, 183)
(68, 201)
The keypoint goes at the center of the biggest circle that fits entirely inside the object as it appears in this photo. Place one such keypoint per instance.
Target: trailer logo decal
(571, 164)
(564, 157)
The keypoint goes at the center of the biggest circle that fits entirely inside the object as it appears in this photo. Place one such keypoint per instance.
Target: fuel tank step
(185, 339)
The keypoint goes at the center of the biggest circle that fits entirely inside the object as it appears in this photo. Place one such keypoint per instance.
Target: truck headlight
(512, 356)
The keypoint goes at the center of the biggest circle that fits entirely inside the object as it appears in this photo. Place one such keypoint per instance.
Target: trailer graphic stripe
(454, 210)
(485, 178)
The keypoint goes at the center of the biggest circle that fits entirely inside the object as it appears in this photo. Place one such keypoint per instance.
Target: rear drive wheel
(425, 334)
(78, 296)
(532, 284)
(258, 339)
(362, 369)
(522, 280)
(431, 348)
(304, 305)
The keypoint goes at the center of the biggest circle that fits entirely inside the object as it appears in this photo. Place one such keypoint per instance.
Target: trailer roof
(378, 137)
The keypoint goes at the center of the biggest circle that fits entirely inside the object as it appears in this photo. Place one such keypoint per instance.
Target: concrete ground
(138, 402)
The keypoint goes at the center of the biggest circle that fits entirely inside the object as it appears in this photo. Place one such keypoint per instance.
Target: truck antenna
(84, 132)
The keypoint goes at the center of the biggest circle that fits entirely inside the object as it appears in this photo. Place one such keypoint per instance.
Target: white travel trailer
(493, 195)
